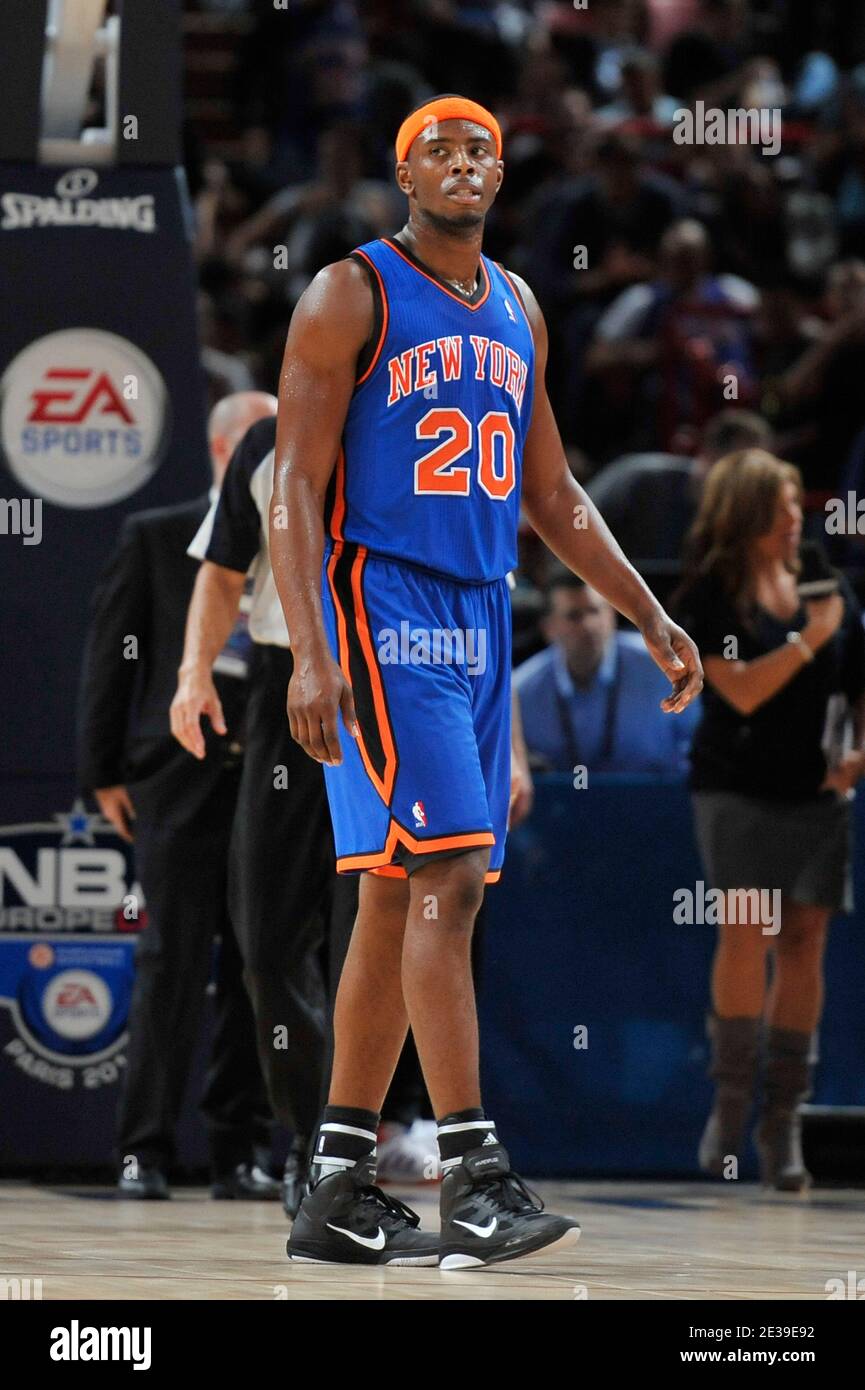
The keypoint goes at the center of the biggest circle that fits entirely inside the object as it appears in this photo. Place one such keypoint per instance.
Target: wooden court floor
(656, 1241)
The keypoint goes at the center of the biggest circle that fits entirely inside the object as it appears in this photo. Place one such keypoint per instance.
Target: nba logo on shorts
(419, 813)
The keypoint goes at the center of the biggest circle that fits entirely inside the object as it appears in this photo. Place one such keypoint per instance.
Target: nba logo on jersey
(511, 315)
(419, 813)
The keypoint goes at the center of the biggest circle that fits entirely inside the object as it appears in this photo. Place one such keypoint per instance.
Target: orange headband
(445, 109)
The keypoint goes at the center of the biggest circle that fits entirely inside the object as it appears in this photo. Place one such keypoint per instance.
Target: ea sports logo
(76, 1004)
(83, 417)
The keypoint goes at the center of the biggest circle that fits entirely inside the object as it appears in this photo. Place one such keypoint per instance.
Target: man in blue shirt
(592, 698)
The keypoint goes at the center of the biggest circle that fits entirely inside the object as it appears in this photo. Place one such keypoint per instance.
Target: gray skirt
(804, 848)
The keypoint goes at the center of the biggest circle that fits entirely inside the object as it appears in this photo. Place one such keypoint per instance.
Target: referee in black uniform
(282, 862)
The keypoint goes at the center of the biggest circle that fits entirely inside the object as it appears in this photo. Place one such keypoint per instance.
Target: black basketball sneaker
(294, 1178)
(489, 1215)
(346, 1219)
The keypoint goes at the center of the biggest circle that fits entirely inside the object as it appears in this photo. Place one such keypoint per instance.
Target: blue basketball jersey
(430, 466)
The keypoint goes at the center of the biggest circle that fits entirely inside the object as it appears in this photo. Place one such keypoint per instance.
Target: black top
(776, 751)
(124, 731)
(235, 539)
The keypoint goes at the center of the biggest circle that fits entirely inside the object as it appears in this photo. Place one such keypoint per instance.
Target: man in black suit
(182, 811)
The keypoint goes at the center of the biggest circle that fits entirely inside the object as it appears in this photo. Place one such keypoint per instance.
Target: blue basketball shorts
(428, 659)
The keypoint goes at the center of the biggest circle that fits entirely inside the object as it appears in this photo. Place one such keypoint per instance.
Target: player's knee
(456, 883)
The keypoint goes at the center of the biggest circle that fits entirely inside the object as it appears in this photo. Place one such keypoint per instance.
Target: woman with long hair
(773, 811)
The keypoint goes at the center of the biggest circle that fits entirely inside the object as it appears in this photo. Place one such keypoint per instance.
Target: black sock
(462, 1131)
(344, 1137)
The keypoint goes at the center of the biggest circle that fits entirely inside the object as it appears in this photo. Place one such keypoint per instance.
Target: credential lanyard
(567, 724)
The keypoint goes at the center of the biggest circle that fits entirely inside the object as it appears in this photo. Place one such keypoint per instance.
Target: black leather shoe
(149, 1185)
(294, 1179)
(248, 1183)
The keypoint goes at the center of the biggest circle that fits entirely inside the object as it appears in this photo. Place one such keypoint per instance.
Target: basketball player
(412, 418)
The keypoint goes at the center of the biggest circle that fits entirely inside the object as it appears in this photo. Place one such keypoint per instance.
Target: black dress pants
(184, 815)
(282, 867)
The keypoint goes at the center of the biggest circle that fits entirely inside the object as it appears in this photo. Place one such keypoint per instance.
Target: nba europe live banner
(101, 414)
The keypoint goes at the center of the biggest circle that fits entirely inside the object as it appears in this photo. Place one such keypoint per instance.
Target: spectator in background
(667, 18)
(301, 69)
(322, 220)
(619, 214)
(548, 127)
(841, 163)
(663, 348)
(830, 373)
(640, 97)
(219, 205)
(225, 373)
(595, 38)
(750, 233)
(649, 501)
(772, 810)
(470, 45)
(783, 331)
(705, 60)
(591, 239)
(592, 697)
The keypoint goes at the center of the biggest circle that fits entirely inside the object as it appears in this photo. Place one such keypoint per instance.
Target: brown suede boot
(790, 1063)
(735, 1046)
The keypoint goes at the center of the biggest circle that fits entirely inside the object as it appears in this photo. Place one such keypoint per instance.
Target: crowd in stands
(698, 295)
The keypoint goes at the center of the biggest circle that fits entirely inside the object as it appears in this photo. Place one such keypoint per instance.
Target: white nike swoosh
(371, 1242)
(482, 1231)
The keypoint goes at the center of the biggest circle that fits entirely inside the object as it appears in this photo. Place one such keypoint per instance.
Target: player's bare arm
(212, 613)
(330, 325)
(567, 520)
